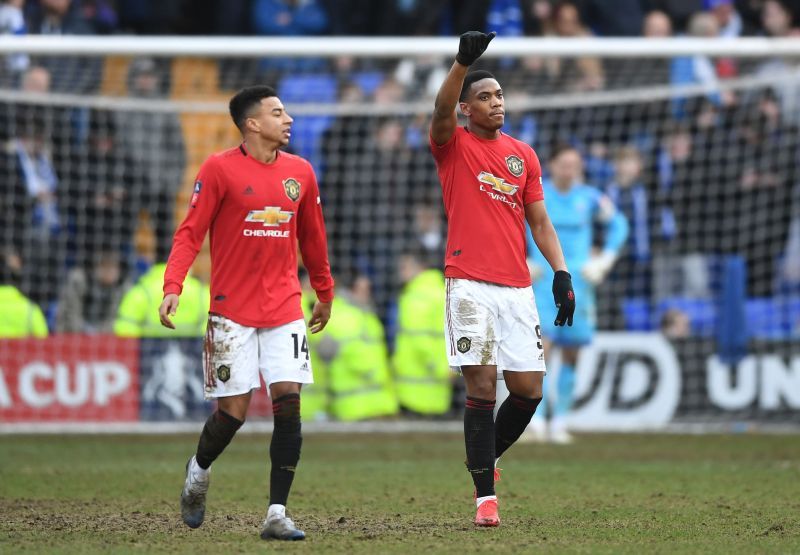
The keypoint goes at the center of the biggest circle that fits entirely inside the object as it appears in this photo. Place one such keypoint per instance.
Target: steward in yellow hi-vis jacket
(19, 316)
(422, 373)
(353, 346)
(138, 311)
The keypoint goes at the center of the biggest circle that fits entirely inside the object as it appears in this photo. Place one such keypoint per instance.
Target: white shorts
(234, 355)
(488, 324)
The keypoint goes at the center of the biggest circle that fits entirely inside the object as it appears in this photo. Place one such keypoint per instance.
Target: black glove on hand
(564, 297)
(472, 45)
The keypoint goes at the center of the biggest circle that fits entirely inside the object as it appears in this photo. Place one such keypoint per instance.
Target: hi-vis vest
(138, 311)
(360, 383)
(19, 316)
(314, 396)
(420, 364)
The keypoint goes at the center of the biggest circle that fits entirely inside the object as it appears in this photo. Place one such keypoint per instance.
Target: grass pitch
(407, 493)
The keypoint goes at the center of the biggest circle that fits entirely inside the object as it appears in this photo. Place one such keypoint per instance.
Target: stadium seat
(307, 134)
(766, 318)
(792, 316)
(319, 87)
(636, 312)
(368, 81)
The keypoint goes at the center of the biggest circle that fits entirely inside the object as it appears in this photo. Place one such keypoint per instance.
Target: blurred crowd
(607, 18)
(699, 176)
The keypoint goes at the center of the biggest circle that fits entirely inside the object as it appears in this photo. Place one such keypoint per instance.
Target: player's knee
(482, 389)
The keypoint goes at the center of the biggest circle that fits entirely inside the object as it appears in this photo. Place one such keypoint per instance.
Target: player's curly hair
(245, 100)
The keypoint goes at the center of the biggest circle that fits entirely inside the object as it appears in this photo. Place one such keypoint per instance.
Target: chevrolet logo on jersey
(497, 183)
(271, 216)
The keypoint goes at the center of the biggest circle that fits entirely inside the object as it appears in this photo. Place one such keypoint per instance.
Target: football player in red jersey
(491, 184)
(258, 202)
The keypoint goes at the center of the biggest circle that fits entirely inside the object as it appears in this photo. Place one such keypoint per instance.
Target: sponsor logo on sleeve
(196, 192)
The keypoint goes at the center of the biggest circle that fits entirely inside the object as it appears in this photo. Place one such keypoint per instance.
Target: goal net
(695, 143)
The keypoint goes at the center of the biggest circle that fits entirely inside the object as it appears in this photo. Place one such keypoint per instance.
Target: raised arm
(470, 48)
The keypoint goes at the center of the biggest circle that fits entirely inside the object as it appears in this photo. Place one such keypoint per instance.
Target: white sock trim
(480, 500)
(276, 511)
(197, 471)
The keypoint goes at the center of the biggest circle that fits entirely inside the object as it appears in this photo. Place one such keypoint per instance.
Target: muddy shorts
(488, 324)
(235, 354)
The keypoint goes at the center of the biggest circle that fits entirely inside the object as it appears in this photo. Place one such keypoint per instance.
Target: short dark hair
(473, 77)
(245, 100)
(560, 148)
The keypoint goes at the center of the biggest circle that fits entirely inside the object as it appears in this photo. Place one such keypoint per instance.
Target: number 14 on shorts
(300, 346)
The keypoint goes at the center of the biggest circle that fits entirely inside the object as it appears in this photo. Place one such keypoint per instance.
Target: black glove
(564, 297)
(472, 45)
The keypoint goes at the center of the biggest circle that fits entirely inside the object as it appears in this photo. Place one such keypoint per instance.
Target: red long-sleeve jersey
(257, 213)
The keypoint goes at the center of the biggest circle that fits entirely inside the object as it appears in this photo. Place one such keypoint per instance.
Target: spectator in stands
(152, 17)
(420, 76)
(505, 18)
(597, 167)
(421, 370)
(57, 17)
(19, 316)
(728, 19)
(614, 18)
(288, 17)
(631, 276)
(537, 17)
(700, 193)
(679, 11)
(368, 162)
(624, 73)
(676, 270)
(779, 20)
(581, 74)
(353, 17)
(789, 272)
(353, 348)
(138, 310)
(675, 324)
(413, 17)
(71, 74)
(657, 25)
(32, 196)
(768, 168)
(101, 195)
(699, 69)
(730, 25)
(90, 298)
(427, 233)
(154, 141)
(101, 15)
(12, 22)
